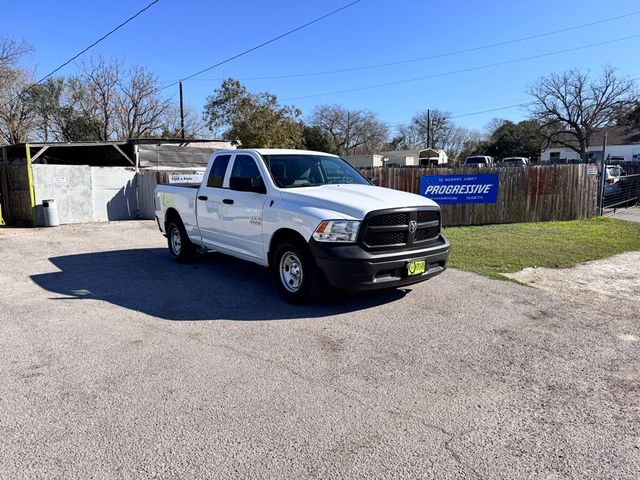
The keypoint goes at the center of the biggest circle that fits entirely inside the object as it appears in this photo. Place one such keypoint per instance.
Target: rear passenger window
(218, 169)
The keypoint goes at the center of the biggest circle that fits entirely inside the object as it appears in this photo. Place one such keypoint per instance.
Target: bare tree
(434, 127)
(11, 50)
(139, 108)
(494, 124)
(194, 125)
(94, 93)
(570, 105)
(17, 117)
(472, 144)
(409, 137)
(352, 131)
(458, 140)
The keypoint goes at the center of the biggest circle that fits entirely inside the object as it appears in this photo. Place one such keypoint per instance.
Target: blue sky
(177, 38)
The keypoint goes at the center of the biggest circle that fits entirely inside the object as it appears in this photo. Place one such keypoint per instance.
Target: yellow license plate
(416, 267)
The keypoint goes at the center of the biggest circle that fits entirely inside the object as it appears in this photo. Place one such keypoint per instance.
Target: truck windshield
(300, 170)
(475, 160)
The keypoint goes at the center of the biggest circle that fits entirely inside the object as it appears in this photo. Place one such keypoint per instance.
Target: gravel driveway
(118, 363)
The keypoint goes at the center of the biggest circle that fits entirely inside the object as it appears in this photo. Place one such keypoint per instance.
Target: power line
(439, 55)
(507, 107)
(263, 43)
(491, 105)
(98, 41)
(111, 32)
(472, 111)
(464, 70)
(491, 110)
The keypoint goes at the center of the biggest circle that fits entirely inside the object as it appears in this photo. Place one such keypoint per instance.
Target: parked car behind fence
(479, 161)
(516, 162)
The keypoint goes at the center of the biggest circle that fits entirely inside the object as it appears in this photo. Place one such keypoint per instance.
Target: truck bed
(182, 198)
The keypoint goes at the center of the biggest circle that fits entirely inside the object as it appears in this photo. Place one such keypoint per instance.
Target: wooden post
(5, 217)
(32, 192)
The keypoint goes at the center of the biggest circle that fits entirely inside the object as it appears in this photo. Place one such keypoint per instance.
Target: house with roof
(623, 145)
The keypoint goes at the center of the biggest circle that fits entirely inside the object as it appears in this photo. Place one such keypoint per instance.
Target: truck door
(243, 203)
(209, 209)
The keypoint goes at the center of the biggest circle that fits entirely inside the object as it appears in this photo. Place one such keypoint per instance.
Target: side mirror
(374, 180)
(244, 184)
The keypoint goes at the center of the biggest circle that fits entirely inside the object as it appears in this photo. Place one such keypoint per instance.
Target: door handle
(204, 198)
(228, 201)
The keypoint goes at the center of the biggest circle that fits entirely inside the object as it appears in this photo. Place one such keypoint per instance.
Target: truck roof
(277, 151)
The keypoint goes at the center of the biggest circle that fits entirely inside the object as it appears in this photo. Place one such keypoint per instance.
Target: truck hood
(353, 201)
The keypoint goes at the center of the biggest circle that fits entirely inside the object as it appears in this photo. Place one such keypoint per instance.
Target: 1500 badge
(255, 221)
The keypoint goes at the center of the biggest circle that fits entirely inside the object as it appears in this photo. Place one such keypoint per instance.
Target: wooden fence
(531, 194)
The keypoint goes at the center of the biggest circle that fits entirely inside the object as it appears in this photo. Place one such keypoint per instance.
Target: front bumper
(350, 267)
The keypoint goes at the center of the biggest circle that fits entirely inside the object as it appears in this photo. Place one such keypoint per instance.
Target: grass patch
(496, 249)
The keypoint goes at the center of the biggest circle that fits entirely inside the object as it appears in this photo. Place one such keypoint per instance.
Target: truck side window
(245, 167)
(218, 169)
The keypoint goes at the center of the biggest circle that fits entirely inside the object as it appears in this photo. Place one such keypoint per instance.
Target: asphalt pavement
(118, 363)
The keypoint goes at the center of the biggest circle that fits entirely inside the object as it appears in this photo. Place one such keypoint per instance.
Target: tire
(295, 272)
(180, 247)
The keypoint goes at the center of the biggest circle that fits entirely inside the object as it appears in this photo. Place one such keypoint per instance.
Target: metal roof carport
(91, 181)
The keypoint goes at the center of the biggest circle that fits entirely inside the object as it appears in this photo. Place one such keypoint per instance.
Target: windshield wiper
(305, 185)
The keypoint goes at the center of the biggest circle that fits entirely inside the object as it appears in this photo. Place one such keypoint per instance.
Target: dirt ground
(629, 214)
(612, 283)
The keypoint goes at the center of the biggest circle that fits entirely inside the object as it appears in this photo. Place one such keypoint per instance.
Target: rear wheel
(181, 248)
(295, 272)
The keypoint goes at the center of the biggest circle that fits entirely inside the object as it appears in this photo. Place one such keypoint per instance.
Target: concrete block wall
(113, 193)
(69, 186)
(85, 194)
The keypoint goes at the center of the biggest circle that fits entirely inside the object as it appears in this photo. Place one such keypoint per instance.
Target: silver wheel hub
(176, 241)
(291, 273)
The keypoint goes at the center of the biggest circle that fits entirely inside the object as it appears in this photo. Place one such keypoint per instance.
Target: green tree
(314, 138)
(57, 118)
(254, 119)
(523, 139)
(630, 117)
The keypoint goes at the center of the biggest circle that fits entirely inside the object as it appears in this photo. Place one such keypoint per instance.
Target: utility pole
(181, 113)
(603, 165)
(428, 128)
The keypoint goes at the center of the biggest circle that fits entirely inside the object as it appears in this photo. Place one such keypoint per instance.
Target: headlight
(337, 231)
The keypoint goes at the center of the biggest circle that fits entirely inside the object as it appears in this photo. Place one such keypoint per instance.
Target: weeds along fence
(529, 194)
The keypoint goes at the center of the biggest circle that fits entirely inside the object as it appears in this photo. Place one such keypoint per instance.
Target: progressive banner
(451, 189)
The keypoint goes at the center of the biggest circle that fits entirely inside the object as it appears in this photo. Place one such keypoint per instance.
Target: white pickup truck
(309, 216)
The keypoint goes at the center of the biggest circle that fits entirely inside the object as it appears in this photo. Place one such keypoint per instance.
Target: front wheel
(296, 273)
(181, 248)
